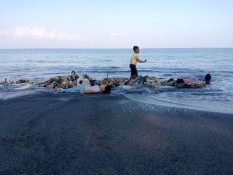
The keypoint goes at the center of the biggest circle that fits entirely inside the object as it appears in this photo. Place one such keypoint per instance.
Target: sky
(116, 24)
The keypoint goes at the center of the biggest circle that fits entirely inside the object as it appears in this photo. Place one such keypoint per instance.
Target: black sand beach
(110, 134)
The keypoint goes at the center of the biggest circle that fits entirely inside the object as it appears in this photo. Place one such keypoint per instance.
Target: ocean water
(41, 64)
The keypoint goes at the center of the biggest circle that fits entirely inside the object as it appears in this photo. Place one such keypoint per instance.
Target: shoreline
(110, 134)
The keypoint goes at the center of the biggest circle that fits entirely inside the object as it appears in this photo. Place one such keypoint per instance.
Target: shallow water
(41, 64)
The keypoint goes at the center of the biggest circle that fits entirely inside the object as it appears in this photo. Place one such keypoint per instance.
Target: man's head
(207, 78)
(106, 89)
(136, 49)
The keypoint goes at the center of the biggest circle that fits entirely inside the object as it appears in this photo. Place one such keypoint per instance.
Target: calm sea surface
(41, 64)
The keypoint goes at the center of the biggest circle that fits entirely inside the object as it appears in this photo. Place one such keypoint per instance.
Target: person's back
(134, 59)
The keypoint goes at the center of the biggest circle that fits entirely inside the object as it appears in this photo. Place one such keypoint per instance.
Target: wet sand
(110, 134)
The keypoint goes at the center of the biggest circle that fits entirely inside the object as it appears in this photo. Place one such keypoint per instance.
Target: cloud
(114, 34)
(35, 32)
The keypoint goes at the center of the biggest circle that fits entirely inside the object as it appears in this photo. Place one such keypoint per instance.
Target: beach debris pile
(179, 83)
(68, 81)
(21, 81)
(197, 82)
(74, 79)
(6, 82)
(151, 81)
(113, 82)
(58, 81)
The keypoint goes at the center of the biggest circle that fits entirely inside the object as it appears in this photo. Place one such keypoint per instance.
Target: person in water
(104, 89)
(197, 82)
(133, 62)
(206, 79)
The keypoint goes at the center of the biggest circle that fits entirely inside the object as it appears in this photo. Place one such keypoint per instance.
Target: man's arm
(140, 61)
(88, 92)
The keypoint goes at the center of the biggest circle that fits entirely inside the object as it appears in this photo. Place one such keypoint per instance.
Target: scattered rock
(22, 81)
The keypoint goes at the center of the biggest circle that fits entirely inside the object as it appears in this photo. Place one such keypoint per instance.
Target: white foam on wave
(22, 86)
(210, 106)
(19, 90)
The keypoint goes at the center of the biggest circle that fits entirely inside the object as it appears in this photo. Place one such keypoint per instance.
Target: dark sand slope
(109, 134)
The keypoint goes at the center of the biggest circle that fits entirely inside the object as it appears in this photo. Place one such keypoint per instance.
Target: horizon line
(120, 48)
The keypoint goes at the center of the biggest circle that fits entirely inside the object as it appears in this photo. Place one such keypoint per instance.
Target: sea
(42, 64)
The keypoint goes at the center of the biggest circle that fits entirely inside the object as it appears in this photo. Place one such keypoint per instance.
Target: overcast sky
(116, 24)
